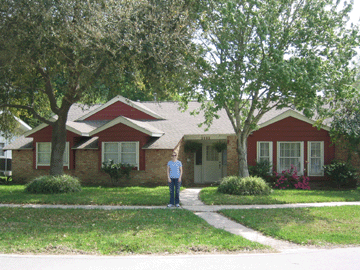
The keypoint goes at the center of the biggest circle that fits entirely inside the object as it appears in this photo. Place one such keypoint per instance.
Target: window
(211, 153)
(290, 153)
(43, 154)
(121, 152)
(2, 152)
(315, 158)
(264, 151)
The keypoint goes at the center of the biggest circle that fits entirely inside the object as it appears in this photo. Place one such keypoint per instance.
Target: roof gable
(294, 114)
(120, 106)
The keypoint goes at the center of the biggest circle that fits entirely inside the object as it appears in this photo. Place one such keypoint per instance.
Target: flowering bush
(290, 179)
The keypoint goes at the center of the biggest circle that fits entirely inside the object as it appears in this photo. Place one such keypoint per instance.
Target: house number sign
(205, 138)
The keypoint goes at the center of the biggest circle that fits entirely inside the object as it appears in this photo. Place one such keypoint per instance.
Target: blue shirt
(174, 168)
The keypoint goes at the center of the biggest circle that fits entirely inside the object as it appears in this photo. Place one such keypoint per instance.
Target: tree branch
(30, 110)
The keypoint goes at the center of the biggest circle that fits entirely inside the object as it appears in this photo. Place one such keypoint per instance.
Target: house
(6, 156)
(144, 134)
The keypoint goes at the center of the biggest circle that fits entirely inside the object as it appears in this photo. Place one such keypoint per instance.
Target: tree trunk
(58, 142)
(242, 153)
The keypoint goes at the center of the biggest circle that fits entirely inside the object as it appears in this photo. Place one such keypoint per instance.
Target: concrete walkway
(190, 201)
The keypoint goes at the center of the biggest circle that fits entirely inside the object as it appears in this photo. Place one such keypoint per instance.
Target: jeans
(174, 184)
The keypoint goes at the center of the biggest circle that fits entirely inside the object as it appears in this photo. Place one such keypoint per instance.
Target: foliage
(262, 169)
(244, 186)
(290, 179)
(345, 125)
(219, 146)
(192, 147)
(341, 173)
(53, 184)
(5, 180)
(117, 171)
(54, 54)
(272, 54)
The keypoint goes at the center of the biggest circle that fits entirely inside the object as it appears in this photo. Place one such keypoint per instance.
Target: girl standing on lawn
(174, 173)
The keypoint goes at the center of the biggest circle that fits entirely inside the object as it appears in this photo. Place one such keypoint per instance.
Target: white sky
(355, 13)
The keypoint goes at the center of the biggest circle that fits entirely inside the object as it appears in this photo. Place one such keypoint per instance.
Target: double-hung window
(315, 158)
(43, 154)
(265, 152)
(121, 152)
(290, 153)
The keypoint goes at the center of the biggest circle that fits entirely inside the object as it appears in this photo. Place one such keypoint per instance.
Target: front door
(212, 164)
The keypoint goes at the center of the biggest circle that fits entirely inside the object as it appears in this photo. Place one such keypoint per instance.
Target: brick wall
(341, 153)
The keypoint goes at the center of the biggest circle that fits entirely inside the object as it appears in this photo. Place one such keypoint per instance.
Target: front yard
(168, 231)
(210, 196)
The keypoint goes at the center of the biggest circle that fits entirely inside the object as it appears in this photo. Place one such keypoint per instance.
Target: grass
(210, 196)
(89, 196)
(121, 232)
(320, 226)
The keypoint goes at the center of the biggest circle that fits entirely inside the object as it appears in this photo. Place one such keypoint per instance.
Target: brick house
(6, 156)
(144, 134)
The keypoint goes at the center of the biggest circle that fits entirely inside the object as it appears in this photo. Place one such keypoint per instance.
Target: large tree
(57, 53)
(265, 54)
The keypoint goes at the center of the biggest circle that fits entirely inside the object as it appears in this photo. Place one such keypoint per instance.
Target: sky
(355, 13)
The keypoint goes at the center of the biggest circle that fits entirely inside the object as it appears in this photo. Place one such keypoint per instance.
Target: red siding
(119, 109)
(44, 135)
(122, 133)
(290, 129)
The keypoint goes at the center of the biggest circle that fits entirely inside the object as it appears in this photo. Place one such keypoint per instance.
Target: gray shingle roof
(175, 126)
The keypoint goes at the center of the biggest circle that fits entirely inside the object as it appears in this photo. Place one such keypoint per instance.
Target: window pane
(44, 147)
(264, 149)
(290, 154)
(111, 147)
(128, 147)
(44, 158)
(111, 156)
(129, 158)
(211, 153)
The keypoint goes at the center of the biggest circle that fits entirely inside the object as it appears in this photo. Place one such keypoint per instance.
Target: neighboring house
(6, 156)
(144, 134)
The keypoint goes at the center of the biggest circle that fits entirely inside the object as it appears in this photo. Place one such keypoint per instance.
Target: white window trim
(67, 148)
(301, 169)
(270, 151)
(119, 147)
(321, 156)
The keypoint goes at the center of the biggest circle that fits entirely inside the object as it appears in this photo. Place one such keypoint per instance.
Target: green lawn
(320, 226)
(89, 196)
(210, 196)
(121, 232)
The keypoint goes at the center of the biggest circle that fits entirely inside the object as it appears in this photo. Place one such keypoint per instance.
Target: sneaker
(177, 205)
(170, 205)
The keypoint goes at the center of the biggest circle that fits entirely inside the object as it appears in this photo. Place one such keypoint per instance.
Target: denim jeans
(174, 184)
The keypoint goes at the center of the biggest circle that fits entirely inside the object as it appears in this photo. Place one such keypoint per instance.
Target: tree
(57, 53)
(265, 54)
(345, 124)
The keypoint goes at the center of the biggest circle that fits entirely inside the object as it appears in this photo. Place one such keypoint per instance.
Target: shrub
(290, 179)
(5, 180)
(244, 186)
(116, 171)
(262, 169)
(341, 173)
(53, 184)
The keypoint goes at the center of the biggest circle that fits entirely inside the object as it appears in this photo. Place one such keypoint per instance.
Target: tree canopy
(265, 54)
(57, 53)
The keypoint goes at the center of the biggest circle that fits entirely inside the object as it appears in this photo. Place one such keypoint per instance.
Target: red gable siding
(44, 135)
(119, 109)
(290, 129)
(123, 133)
